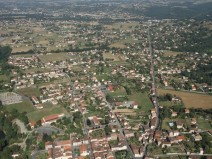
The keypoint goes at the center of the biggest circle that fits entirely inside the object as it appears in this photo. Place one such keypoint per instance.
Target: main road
(153, 88)
(152, 73)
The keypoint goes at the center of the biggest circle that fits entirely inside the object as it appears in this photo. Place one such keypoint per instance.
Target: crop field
(191, 100)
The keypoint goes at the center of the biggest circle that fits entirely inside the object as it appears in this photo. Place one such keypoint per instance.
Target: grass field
(39, 114)
(204, 124)
(143, 100)
(125, 111)
(32, 70)
(165, 103)
(118, 45)
(54, 57)
(4, 78)
(171, 53)
(165, 122)
(191, 100)
(119, 92)
(110, 56)
(24, 106)
(21, 49)
(29, 92)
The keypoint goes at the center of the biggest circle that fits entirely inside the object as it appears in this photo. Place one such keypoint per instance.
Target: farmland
(191, 100)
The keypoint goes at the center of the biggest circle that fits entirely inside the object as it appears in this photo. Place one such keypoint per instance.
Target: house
(197, 137)
(134, 105)
(181, 138)
(137, 151)
(110, 88)
(158, 134)
(174, 133)
(179, 125)
(166, 144)
(187, 111)
(32, 124)
(173, 140)
(35, 100)
(153, 123)
(174, 114)
(84, 150)
(128, 134)
(193, 121)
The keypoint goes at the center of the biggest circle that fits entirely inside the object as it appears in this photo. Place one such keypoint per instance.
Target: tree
(5, 52)
(88, 122)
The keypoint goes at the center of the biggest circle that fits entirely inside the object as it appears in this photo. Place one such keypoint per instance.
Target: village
(91, 88)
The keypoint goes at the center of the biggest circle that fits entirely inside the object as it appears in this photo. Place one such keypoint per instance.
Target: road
(85, 130)
(153, 89)
(182, 154)
(119, 125)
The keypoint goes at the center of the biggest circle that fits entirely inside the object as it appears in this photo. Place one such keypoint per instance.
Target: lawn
(143, 100)
(165, 124)
(39, 114)
(204, 124)
(29, 92)
(191, 100)
(24, 106)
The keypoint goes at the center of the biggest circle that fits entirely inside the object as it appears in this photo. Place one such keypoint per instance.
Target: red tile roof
(50, 117)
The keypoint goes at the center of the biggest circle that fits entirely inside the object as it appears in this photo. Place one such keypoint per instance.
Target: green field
(29, 92)
(24, 106)
(143, 100)
(204, 124)
(54, 57)
(32, 70)
(39, 114)
(119, 92)
(4, 78)
(171, 53)
(165, 103)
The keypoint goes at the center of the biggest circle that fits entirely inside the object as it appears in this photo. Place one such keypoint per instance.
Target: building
(50, 119)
